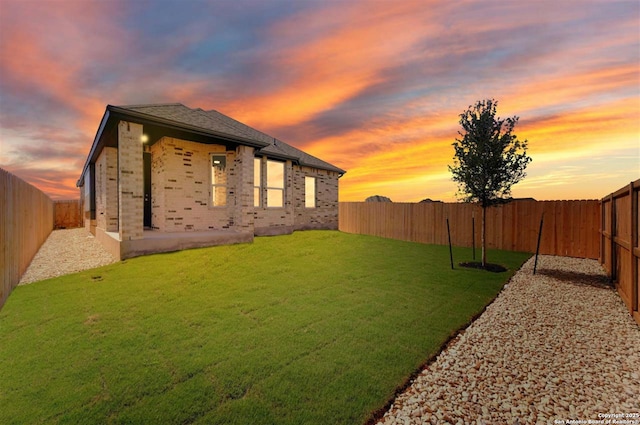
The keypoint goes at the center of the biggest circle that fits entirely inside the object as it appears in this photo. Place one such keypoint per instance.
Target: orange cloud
(417, 168)
(374, 87)
(582, 130)
(351, 44)
(34, 64)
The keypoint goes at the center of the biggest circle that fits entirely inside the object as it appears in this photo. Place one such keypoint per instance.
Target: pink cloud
(374, 87)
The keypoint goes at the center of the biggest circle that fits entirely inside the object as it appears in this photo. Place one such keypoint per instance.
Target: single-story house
(166, 177)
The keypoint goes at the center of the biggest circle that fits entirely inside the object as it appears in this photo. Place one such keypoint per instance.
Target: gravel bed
(66, 251)
(555, 347)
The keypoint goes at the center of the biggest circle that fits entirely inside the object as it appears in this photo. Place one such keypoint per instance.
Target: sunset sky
(374, 87)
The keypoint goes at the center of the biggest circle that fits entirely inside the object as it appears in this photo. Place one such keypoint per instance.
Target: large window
(310, 192)
(218, 180)
(257, 182)
(275, 184)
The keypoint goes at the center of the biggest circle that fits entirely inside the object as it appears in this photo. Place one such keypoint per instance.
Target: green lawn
(318, 327)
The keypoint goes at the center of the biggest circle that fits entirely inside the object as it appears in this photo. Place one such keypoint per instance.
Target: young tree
(488, 159)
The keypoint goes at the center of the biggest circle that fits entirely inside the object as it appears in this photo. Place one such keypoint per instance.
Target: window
(310, 192)
(275, 184)
(257, 182)
(218, 180)
(268, 176)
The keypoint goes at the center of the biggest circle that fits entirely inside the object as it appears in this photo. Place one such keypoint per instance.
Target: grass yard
(318, 327)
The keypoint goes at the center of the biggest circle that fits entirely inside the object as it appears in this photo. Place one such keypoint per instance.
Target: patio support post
(130, 181)
(243, 208)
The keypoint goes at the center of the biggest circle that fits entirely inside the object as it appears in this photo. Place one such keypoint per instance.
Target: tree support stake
(535, 264)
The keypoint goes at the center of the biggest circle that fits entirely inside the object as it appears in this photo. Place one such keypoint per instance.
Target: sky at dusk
(374, 87)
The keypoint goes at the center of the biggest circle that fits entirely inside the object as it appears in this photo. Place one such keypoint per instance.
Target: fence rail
(26, 221)
(571, 228)
(620, 249)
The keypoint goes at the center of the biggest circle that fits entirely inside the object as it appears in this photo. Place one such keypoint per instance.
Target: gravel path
(555, 347)
(66, 251)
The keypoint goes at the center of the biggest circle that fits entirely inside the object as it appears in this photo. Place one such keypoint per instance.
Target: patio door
(146, 176)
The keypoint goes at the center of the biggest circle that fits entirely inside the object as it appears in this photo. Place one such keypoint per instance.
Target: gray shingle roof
(216, 122)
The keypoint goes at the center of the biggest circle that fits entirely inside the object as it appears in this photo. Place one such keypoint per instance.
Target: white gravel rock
(556, 346)
(66, 251)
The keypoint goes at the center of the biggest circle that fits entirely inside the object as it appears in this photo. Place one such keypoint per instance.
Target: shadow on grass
(494, 268)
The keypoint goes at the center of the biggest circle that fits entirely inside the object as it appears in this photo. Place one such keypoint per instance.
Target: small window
(275, 184)
(310, 192)
(257, 182)
(218, 180)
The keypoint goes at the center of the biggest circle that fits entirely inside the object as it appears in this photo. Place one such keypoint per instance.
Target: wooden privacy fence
(26, 220)
(67, 214)
(620, 248)
(571, 228)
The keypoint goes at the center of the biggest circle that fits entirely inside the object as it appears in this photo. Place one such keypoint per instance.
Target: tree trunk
(484, 238)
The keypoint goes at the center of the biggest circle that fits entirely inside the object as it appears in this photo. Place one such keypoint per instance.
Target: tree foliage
(489, 158)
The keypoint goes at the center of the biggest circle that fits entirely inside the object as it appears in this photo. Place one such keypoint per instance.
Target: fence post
(633, 242)
(603, 221)
(612, 220)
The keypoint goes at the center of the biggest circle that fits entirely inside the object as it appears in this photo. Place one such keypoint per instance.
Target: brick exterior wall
(325, 213)
(130, 188)
(107, 190)
(295, 215)
(270, 220)
(181, 190)
(241, 179)
(181, 186)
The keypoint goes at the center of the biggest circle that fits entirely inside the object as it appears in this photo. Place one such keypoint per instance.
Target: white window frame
(271, 189)
(307, 195)
(257, 185)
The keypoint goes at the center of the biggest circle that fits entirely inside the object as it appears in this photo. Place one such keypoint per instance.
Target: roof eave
(329, 167)
(299, 161)
(96, 140)
(126, 113)
(115, 112)
(277, 155)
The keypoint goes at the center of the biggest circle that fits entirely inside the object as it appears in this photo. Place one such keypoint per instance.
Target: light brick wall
(130, 188)
(181, 186)
(101, 191)
(241, 178)
(158, 160)
(273, 221)
(181, 192)
(107, 190)
(325, 214)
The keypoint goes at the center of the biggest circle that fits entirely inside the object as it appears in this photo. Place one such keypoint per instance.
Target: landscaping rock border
(555, 347)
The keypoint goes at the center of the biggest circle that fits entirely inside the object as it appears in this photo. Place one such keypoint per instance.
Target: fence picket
(570, 227)
(67, 214)
(25, 223)
(620, 242)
